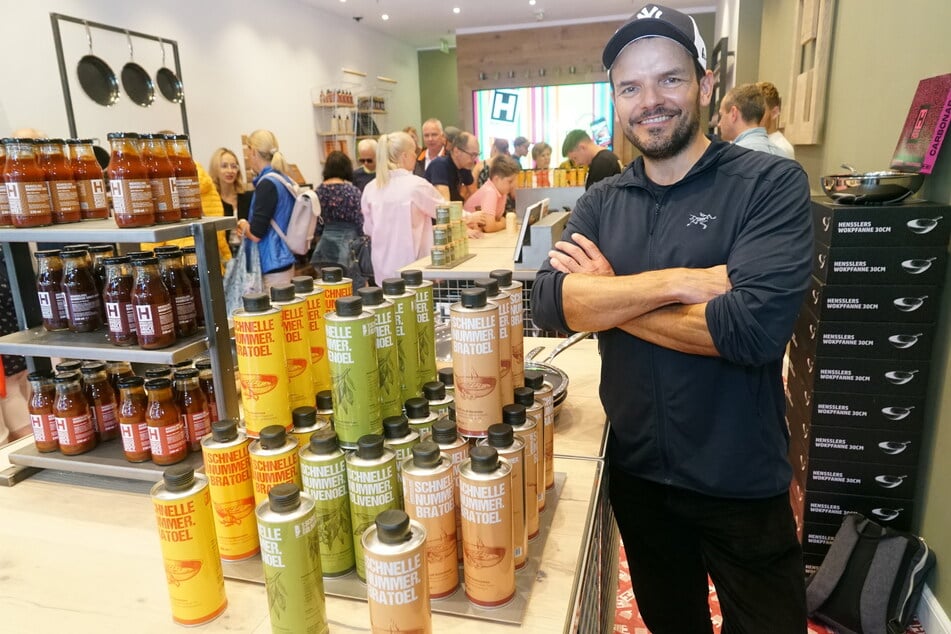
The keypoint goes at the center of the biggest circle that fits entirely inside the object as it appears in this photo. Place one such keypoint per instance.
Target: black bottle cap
(224, 430)
(39, 376)
(179, 477)
(501, 435)
(370, 446)
(145, 260)
(325, 400)
(451, 412)
(189, 250)
(158, 384)
(491, 286)
(161, 372)
(395, 427)
(105, 248)
(513, 414)
(303, 284)
(181, 365)
(503, 276)
(273, 437)
(445, 375)
(304, 416)
(413, 277)
(130, 381)
(534, 379)
(116, 259)
(417, 407)
(122, 135)
(484, 459)
(168, 253)
(186, 373)
(92, 367)
(394, 286)
(69, 366)
(135, 256)
(66, 377)
(203, 364)
(371, 295)
(444, 431)
(434, 390)
(283, 293)
(426, 454)
(323, 441)
(283, 497)
(473, 298)
(525, 396)
(392, 526)
(49, 253)
(256, 302)
(349, 306)
(331, 274)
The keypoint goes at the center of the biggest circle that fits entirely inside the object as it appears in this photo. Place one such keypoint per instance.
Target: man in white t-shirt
(774, 106)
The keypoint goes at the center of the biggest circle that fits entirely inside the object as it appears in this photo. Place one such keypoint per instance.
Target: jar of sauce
(118, 370)
(101, 399)
(179, 288)
(49, 290)
(117, 298)
(64, 199)
(83, 307)
(132, 425)
(166, 430)
(25, 184)
(191, 271)
(5, 219)
(87, 174)
(206, 381)
(98, 253)
(186, 174)
(129, 182)
(74, 426)
(159, 372)
(193, 407)
(154, 319)
(40, 406)
(73, 365)
(161, 178)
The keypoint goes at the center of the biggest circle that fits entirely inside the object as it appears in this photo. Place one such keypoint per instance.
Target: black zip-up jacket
(709, 424)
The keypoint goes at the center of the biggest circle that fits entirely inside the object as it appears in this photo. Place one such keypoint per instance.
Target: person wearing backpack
(271, 201)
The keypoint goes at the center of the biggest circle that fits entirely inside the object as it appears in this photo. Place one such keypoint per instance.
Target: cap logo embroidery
(700, 219)
(649, 11)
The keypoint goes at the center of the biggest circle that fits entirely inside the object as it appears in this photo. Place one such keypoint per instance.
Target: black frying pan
(96, 78)
(136, 82)
(168, 82)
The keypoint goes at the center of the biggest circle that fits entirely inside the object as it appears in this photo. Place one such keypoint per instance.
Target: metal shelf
(38, 342)
(107, 231)
(335, 106)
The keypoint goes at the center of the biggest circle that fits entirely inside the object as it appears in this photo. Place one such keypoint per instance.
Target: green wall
(876, 65)
(438, 89)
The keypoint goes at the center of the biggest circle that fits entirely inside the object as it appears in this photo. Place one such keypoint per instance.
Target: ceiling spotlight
(531, 3)
(456, 10)
(385, 17)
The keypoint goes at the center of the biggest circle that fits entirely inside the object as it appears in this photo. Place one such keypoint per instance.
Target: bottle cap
(186, 373)
(283, 293)
(129, 381)
(304, 416)
(434, 390)
(444, 431)
(395, 427)
(413, 277)
(501, 435)
(161, 372)
(534, 379)
(273, 437)
(490, 285)
(392, 526)
(92, 367)
(323, 441)
(503, 276)
(178, 478)
(303, 284)
(256, 302)
(417, 407)
(224, 430)
(513, 414)
(394, 286)
(370, 446)
(331, 274)
(484, 459)
(525, 396)
(473, 298)
(284, 497)
(158, 384)
(66, 377)
(371, 295)
(445, 375)
(426, 454)
(325, 400)
(349, 306)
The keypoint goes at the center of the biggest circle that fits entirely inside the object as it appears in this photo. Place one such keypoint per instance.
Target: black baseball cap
(655, 20)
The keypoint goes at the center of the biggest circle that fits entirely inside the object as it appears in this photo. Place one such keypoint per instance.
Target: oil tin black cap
(513, 414)
(484, 459)
(162, 372)
(283, 293)
(434, 390)
(303, 283)
(283, 497)
(304, 416)
(524, 396)
(392, 526)
(325, 399)
(444, 431)
(501, 435)
(186, 373)
(426, 454)
(534, 379)
(371, 295)
(445, 376)
(179, 477)
(491, 286)
(503, 276)
(417, 407)
(273, 436)
(370, 446)
(158, 384)
(224, 430)
(130, 381)
(451, 412)
(323, 442)
(473, 298)
(394, 286)
(331, 274)
(349, 306)
(413, 277)
(256, 302)
(395, 427)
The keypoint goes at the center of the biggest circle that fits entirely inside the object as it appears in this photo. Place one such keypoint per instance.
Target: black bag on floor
(870, 580)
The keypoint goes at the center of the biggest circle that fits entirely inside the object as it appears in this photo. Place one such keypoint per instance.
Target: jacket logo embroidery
(700, 219)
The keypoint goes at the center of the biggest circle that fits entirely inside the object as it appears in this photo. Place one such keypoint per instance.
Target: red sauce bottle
(186, 175)
(193, 407)
(83, 303)
(179, 288)
(25, 183)
(191, 270)
(5, 219)
(129, 182)
(154, 318)
(101, 399)
(40, 406)
(166, 430)
(162, 179)
(132, 425)
(49, 290)
(117, 299)
(206, 381)
(118, 370)
(74, 426)
(64, 199)
(87, 173)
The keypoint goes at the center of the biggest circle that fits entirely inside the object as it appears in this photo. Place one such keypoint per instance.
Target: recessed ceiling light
(531, 3)
(385, 16)
(456, 10)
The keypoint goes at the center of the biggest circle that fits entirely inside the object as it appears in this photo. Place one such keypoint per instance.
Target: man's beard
(657, 147)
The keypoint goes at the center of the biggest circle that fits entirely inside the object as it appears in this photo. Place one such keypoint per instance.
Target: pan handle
(88, 35)
(129, 40)
(567, 343)
(162, 44)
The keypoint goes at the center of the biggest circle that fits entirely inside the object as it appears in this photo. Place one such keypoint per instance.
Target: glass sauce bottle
(40, 406)
(83, 303)
(118, 370)
(23, 178)
(154, 319)
(101, 399)
(98, 253)
(90, 186)
(162, 179)
(193, 407)
(129, 182)
(132, 425)
(74, 426)
(64, 200)
(180, 290)
(5, 219)
(166, 430)
(117, 299)
(49, 290)
(206, 381)
(186, 175)
(191, 271)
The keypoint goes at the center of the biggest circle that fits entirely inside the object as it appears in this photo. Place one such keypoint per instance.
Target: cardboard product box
(911, 223)
(919, 264)
(900, 303)
(855, 444)
(828, 508)
(817, 538)
(861, 376)
(812, 562)
(813, 337)
(798, 455)
(862, 478)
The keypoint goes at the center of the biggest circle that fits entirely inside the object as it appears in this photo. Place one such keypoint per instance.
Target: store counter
(492, 251)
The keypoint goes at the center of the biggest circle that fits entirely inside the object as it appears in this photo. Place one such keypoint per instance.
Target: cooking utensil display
(896, 413)
(136, 81)
(900, 377)
(890, 481)
(884, 187)
(96, 77)
(917, 266)
(893, 447)
(922, 226)
(534, 352)
(168, 82)
(567, 343)
(886, 515)
(903, 342)
(909, 304)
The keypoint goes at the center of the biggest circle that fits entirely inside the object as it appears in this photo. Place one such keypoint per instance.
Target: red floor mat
(627, 619)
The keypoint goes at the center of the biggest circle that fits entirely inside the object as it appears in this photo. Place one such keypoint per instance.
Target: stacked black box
(859, 362)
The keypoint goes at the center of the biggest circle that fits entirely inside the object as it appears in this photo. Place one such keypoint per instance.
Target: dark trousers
(674, 538)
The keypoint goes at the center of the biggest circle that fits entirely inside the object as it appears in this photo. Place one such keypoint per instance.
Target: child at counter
(486, 207)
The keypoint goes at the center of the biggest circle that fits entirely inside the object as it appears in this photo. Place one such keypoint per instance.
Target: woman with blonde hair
(225, 173)
(398, 207)
(271, 202)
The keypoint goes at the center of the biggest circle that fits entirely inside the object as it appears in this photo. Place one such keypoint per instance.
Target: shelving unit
(370, 120)
(335, 119)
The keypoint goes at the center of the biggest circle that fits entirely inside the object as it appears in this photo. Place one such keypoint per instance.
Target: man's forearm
(682, 327)
(601, 302)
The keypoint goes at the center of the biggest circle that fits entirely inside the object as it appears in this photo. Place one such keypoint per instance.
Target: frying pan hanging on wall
(96, 77)
(168, 82)
(136, 82)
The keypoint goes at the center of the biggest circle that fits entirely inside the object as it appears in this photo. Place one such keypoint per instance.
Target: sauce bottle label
(74, 430)
(28, 199)
(48, 308)
(131, 196)
(154, 319)
(121, 318)
(167, 440)
(44, 427)
(82, 307)
(161, 195)
(92, 194)
(63, 197)
(173, 191)
(106, 417)
(189, 193)
(135, 437)
(185, 308)
(196, 425)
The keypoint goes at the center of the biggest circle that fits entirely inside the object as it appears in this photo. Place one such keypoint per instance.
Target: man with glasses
(366, 155)
(434, 141)
(451, 174)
